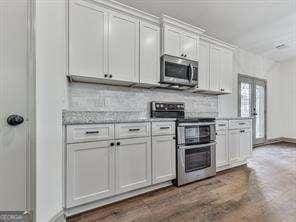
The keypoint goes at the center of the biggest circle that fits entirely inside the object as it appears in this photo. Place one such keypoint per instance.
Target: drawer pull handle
(241, 123)
(221, 125)
(164, 127)
(242, 131)
(92, 132)
(133, 130)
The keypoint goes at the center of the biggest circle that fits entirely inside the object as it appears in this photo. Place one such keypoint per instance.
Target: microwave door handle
(191, 73)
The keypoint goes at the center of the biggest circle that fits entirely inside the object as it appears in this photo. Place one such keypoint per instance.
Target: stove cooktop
(195, 120)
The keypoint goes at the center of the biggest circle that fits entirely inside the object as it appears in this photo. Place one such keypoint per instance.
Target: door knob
(15, 120)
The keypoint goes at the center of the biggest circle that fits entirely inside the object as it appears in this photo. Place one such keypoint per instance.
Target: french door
(252, 103)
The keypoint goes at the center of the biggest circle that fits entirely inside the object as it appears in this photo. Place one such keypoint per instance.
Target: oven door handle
(191, 73)
(197, 146)
(197, 124)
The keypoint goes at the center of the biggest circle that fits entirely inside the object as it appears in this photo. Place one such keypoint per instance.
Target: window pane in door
(260, 110)
(245, 99)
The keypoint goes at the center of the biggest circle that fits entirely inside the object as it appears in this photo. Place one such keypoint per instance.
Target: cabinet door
(149, 53)
(123, 47)
(190, 46)
(226, 79)
(87, 39)
(172, 41)
(163, 158)
(215, 67)
(133, 164)
(222, 148)
(234, 146)
(245, 143)
(90, 172)
(204, 65)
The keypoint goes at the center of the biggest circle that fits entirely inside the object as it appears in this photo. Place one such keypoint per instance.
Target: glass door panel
(252, 103)
(259, 112)
(245, 101)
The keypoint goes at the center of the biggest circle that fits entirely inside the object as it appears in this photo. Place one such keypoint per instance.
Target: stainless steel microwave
(178, 71)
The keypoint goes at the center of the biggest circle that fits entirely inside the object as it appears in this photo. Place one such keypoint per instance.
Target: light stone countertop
(233, 118)
(101, 117)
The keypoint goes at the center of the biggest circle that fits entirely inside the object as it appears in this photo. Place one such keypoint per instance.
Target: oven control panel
(167, 109)
(160, 106)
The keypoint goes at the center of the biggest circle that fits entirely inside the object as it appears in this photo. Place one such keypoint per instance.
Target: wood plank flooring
(262, 191)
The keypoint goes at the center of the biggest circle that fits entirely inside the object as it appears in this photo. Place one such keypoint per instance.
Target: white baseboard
(289, 140)
(277, 140)
(59, 217)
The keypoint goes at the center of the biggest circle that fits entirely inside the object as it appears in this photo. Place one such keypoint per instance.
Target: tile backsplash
(97, 97)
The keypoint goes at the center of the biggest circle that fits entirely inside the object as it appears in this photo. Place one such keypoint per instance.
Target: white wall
(250, 64)
(50, 88)
(288, 97)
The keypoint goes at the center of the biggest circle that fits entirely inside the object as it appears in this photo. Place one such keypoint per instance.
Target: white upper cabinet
(215, 67)
(172, 41)
(179, 38)
(226, 78)
(123, 47)
(149, 53)
(87, 39)
(117, 45)
(103, 44)
(204, 66)
(189, 47)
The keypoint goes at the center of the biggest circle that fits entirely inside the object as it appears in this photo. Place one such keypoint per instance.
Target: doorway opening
(252, 103)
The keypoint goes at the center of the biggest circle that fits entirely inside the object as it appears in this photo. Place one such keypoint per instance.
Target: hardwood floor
(262, 191)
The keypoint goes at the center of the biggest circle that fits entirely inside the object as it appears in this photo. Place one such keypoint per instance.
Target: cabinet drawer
(239, 124)
(89, 133)
(222, 125)
(163, 128)
(132, 130)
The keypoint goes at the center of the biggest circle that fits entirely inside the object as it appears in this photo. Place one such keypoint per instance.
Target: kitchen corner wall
(288, 97)
(96, 97)
(257, 66)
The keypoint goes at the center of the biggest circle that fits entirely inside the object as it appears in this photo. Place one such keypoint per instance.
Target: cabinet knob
(182, 55)
(185, 55)
(111, 76)
(105, 75)
(112, 144)
(118, 143)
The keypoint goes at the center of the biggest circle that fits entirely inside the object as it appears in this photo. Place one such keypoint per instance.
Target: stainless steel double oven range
(195, 142)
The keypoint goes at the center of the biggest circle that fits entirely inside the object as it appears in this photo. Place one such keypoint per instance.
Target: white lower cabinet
(245, 143)
(240, 145)
(122, 163)
(234, 144)
(163, 159)
(90, 172)
(133, 164)
(222, 148)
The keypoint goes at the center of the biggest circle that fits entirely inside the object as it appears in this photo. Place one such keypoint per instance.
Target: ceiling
(255, 25)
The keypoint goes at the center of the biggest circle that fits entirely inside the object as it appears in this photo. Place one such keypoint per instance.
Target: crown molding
(217, 41)
(114, 5)
(165, 19)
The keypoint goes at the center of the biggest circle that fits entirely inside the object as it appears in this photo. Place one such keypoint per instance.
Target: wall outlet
(107, 102)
